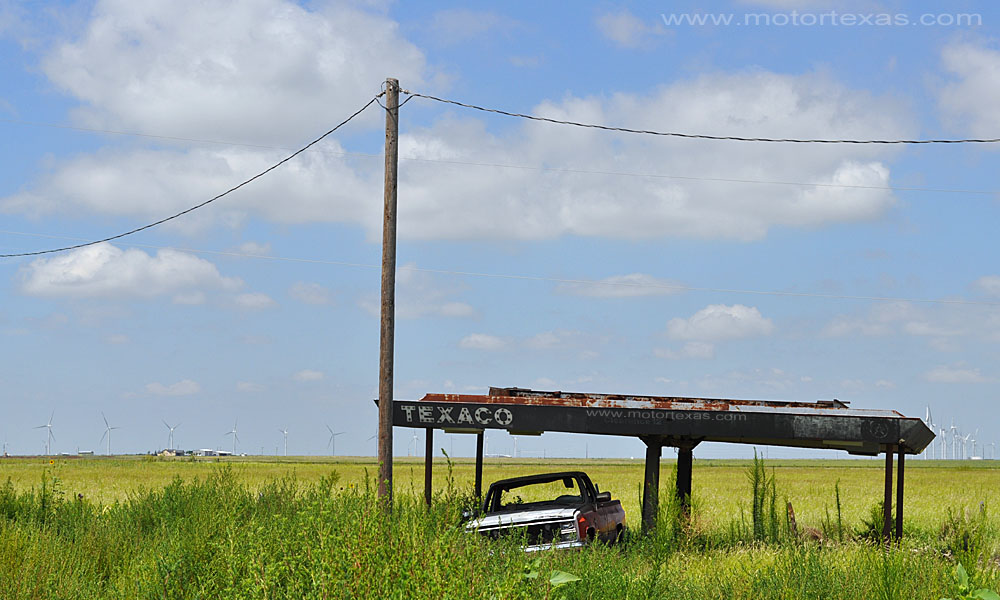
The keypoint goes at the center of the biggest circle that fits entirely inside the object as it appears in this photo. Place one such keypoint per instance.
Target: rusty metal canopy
(674, 421)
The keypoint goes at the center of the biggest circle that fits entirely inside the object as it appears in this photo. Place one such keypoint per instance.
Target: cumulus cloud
(309, 375)
(718, 322)
(151, 67)
(420, 294)
(989, 284)
(105, 271)
(249, 387)
(959, 373)
(971, 99)
(944, 327)
(448, 201)
(622, 286)
(543, 204)
(482, 341)
(310, 293)
(881, 319)
(626, 30)
(185, 387)
(255, 301)
(254, 249)
(149, 184)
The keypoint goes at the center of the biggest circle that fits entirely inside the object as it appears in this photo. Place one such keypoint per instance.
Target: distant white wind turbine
(107, 432)
(170, 435)
(49, 437)
(235, 434)
(332, 442)
(284, 432)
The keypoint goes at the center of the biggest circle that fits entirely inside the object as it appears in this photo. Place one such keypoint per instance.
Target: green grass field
(251, 527)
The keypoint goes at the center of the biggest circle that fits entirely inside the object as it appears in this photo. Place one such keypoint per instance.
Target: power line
(206, 202)
(571, 170)
(536, 278)
(700, 136)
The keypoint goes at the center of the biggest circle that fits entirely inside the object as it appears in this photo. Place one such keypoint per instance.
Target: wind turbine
(284, 432)
(414, 441)
(49, 437)
(954, 438)
(107, 432)
(993, 450)
(332, 442)
(236, 436)
(170, 436)
(930, 425)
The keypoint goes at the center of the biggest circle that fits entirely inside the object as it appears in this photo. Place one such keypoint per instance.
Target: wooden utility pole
(388, 310)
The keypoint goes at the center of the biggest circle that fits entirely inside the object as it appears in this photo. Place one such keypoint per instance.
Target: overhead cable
(701, 136)
(542, 168)
(206, 202)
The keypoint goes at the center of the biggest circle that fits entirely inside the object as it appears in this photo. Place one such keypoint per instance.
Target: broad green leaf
(560, 578)
(961, 576)
(985, 594)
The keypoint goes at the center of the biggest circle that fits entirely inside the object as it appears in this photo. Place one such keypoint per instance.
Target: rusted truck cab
(551, 510)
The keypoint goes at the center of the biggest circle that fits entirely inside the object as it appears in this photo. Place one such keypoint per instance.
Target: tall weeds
(219, 538)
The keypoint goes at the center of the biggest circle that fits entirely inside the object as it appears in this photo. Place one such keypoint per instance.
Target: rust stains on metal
(526, 397)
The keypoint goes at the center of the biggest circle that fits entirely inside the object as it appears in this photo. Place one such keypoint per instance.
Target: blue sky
(531, 254)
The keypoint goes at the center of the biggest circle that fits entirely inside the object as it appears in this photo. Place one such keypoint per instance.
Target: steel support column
(887, 501)
(685, 459)
(651, 484)
(479, 465)
(899, 496)
(428, 464)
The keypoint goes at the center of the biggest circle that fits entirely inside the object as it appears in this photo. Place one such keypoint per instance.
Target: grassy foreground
(313, 529)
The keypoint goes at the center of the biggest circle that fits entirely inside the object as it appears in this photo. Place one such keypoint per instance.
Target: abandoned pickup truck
(553, 510)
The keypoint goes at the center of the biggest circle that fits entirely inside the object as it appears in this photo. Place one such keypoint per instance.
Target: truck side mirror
(604, 497)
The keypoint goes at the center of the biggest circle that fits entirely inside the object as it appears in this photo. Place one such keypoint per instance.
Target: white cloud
(249, 387)
(972, 98)
(956, 374)
(184, 387)
(622, 286)
(882, 319)
(255, 301)
(105, 271)
(267, 71)
(420, 294)
(943, 327)
(254, 249)
(191, 298)
(117, 338)
(718, 322)
(447, 201)
(627, 30)
(309, 375)
(481, 341)
(150, 184)
(310, 293)
(461, 202)
(989, 284)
